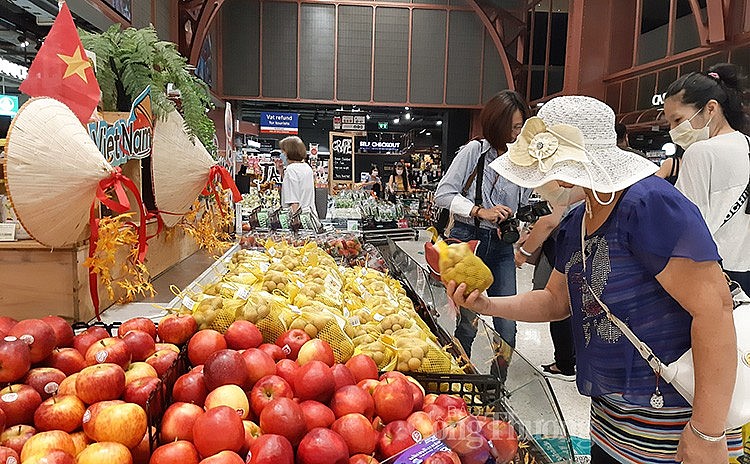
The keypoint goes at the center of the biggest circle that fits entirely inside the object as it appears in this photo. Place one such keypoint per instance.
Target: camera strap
(478, 192)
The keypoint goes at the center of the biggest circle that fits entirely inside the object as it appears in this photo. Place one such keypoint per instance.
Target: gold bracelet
(705, 437)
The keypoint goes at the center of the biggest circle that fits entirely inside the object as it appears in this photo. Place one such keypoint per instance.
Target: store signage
(126, 139)
(341, 167)
(658, 99)
(8, 105)
(313, 149)
(269, 172)
(367, 146)
(350, 122)
(13, 70)
(279, 123)
(383, 125)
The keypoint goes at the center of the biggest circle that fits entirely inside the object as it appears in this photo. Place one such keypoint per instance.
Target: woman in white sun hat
(642, 249)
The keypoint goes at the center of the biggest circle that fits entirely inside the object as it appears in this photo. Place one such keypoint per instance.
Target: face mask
(399, 171)
(684, 135)
(284, 159)
(375, 174)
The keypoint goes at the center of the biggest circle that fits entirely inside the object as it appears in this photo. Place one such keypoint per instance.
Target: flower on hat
(547, 146)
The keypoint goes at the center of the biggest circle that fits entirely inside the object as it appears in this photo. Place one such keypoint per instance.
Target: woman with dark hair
(399, 183)
(707, 117)
(476, 215)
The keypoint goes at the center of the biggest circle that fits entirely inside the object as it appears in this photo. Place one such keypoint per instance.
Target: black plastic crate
(160, 399)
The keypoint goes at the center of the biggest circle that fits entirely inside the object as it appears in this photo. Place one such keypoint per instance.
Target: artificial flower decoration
(547, 146)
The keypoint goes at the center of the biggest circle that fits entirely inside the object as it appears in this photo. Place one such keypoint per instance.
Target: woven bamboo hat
(52, 170)
(180, 168)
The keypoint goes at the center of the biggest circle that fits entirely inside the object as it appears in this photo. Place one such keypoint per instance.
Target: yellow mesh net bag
(459, 263)
(226, 314)
(417, 355)
(380, 352)
(319, 322)
(264, 310)
(206, 310)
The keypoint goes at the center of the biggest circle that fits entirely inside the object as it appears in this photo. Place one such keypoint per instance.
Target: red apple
(229, 395)
(120, 423)
(316, 350)
(98, 331)
(504, 439)
(15, 437)
(428, 400)
(283, 416)
(357, 432)
(15, 359)
(364, 459)
(369, 385)
(352, 399)
(393, 400)
(68, 386)
(63, 331)
(224, 457)
(83, 341)
(422, 422)
(291, 342)
(140, 344)
(176, 329)
(142, 452)
(286, 369)
(19, 402)
(177, 422)
(6, 323)
(393, 375)
(443, 457)
(138, 323)
(109, 452)
(80, 440)
(342, 376)
(109, 350)
(451, 402)
(92, 412)
(190, 388)
(271, 449)
(362, 367)
(417, 395)
(317, 415)
(252, 432)
(204, 344)
(396, 437)
(218, 429)
(61, 412)
(139, 391)
(463, 435)
(51, 457)
(45, 380)
(314, 381)
(224, 367)
(268, 389)
(139, 370)
(162, 360)
(166, 346)
(274, 351)
(8, 456)
(100, 382)
(258, 364)
(322, 446)
(38, 335)
(2, 421)
(68, 360)
(178, 452)
(242, 335)
(43, 442)
(436, 413)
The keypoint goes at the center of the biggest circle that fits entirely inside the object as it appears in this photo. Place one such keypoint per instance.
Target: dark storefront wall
(387, 55)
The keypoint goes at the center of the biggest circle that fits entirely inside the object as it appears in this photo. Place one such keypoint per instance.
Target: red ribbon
(221, 174)
(120, 204)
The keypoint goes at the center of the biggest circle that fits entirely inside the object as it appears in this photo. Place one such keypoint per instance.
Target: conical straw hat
(52, 170)
(179, 168)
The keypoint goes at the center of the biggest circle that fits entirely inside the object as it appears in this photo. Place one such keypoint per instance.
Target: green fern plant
(127, 61)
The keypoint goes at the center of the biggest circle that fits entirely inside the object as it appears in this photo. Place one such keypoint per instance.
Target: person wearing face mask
(398, 183)
(637, 250)
(298, 185)
(477, 207)
(705, 112)
(372, 182)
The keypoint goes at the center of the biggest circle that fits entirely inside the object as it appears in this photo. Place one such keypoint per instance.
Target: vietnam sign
(279, 123)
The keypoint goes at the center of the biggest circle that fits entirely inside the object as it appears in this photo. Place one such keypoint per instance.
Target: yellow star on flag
(76, 64)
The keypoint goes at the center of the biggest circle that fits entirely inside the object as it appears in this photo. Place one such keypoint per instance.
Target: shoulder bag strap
(478, 191)
(743, 196)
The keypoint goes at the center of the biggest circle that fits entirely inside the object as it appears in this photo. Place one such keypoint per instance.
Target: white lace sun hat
(572, 139)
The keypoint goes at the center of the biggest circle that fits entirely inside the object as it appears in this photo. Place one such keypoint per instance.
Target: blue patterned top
(651, 223)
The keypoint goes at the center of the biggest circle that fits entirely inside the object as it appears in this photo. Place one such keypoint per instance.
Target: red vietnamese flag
(62, 71)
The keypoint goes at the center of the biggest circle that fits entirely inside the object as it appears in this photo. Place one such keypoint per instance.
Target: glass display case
(526, 395)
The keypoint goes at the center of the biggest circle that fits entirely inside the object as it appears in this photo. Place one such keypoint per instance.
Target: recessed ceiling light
(439, 123)
(407, 116)
(396, 120)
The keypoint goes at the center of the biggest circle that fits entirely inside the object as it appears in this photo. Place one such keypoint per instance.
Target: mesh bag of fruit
(229, 289)
(356, 330)
(206, 309)
(459, 263)
(383, 354)
(417, 355)
(319, 322)
(264, 310)
(244, 278)
(393, 322)
(226, 314)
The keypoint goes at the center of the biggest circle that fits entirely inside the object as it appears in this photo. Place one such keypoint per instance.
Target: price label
(366, 310)
(188, 303)
(264, 267)
(378, 317)
(242, 293)
(364, 272)
(7, 232)
(272, 252)
(295, 309)
(221, 268)
(101, 356)
(359, 281)
(352, 225)
(346, 312)
(354, 321)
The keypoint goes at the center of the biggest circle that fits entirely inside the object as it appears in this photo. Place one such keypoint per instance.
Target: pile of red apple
(249, 402)
(81, 398)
